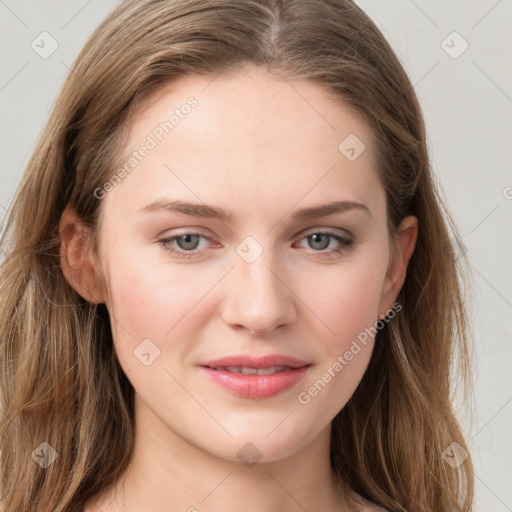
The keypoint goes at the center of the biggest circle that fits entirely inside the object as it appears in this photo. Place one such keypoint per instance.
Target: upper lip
(256, 362)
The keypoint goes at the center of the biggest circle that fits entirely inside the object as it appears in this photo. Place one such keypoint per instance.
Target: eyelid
(346, 240)
(308, 231)
(328, 231)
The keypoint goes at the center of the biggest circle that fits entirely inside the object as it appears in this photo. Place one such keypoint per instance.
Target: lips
(247, 370)
(256, 362)
(256, 377)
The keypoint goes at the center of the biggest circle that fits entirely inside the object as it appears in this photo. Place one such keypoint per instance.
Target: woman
(176, 334)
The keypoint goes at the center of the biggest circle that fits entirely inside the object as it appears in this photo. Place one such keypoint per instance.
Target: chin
(255, 445)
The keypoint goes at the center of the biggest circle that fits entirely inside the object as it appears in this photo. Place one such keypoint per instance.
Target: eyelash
(346, 244)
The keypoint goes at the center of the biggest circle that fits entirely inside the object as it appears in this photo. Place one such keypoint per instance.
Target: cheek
(148, 302)
(151, 296)
(153, 299)
(348, 306)
(346, 300)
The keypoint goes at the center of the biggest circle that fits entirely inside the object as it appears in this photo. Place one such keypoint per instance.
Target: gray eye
(316, 240)
(188, 242)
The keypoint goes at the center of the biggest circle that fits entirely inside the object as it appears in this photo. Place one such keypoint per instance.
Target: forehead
(269, 108)
(244, 138)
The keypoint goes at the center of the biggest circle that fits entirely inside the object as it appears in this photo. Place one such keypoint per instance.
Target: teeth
(270, 371)
(245, 370)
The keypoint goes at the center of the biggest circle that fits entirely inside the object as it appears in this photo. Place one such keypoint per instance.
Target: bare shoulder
(103, 501)
(365, 505)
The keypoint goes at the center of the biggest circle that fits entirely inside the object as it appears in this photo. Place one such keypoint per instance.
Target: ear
(405, 243)
(78, 260)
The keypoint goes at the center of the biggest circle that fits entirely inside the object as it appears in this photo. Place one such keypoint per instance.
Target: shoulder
(365, 505)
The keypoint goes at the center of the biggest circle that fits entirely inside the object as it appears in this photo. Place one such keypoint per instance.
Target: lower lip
(256, 386)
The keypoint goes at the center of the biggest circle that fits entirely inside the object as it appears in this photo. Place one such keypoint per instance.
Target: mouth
(251, 377)
(247, 370)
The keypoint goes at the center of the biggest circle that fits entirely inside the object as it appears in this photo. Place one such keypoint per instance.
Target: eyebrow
(206, 211)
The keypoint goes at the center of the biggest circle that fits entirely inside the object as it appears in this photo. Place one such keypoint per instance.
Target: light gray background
(467, 103)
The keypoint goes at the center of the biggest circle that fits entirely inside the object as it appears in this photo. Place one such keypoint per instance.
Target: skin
(261, 148)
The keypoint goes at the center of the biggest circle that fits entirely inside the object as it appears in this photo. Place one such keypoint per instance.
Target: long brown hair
(61, 383)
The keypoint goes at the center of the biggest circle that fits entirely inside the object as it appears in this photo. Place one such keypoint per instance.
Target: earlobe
(397, 269)
(78, 263)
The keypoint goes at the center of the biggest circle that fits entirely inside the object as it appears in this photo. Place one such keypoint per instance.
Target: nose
(258, 297)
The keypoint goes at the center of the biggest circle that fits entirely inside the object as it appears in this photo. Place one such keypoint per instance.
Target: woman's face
(251, 271)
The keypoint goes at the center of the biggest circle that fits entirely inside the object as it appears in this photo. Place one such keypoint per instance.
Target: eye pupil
(188, 239)
(316, 238)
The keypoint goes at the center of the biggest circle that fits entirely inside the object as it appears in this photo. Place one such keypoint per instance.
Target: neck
(168, 473)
